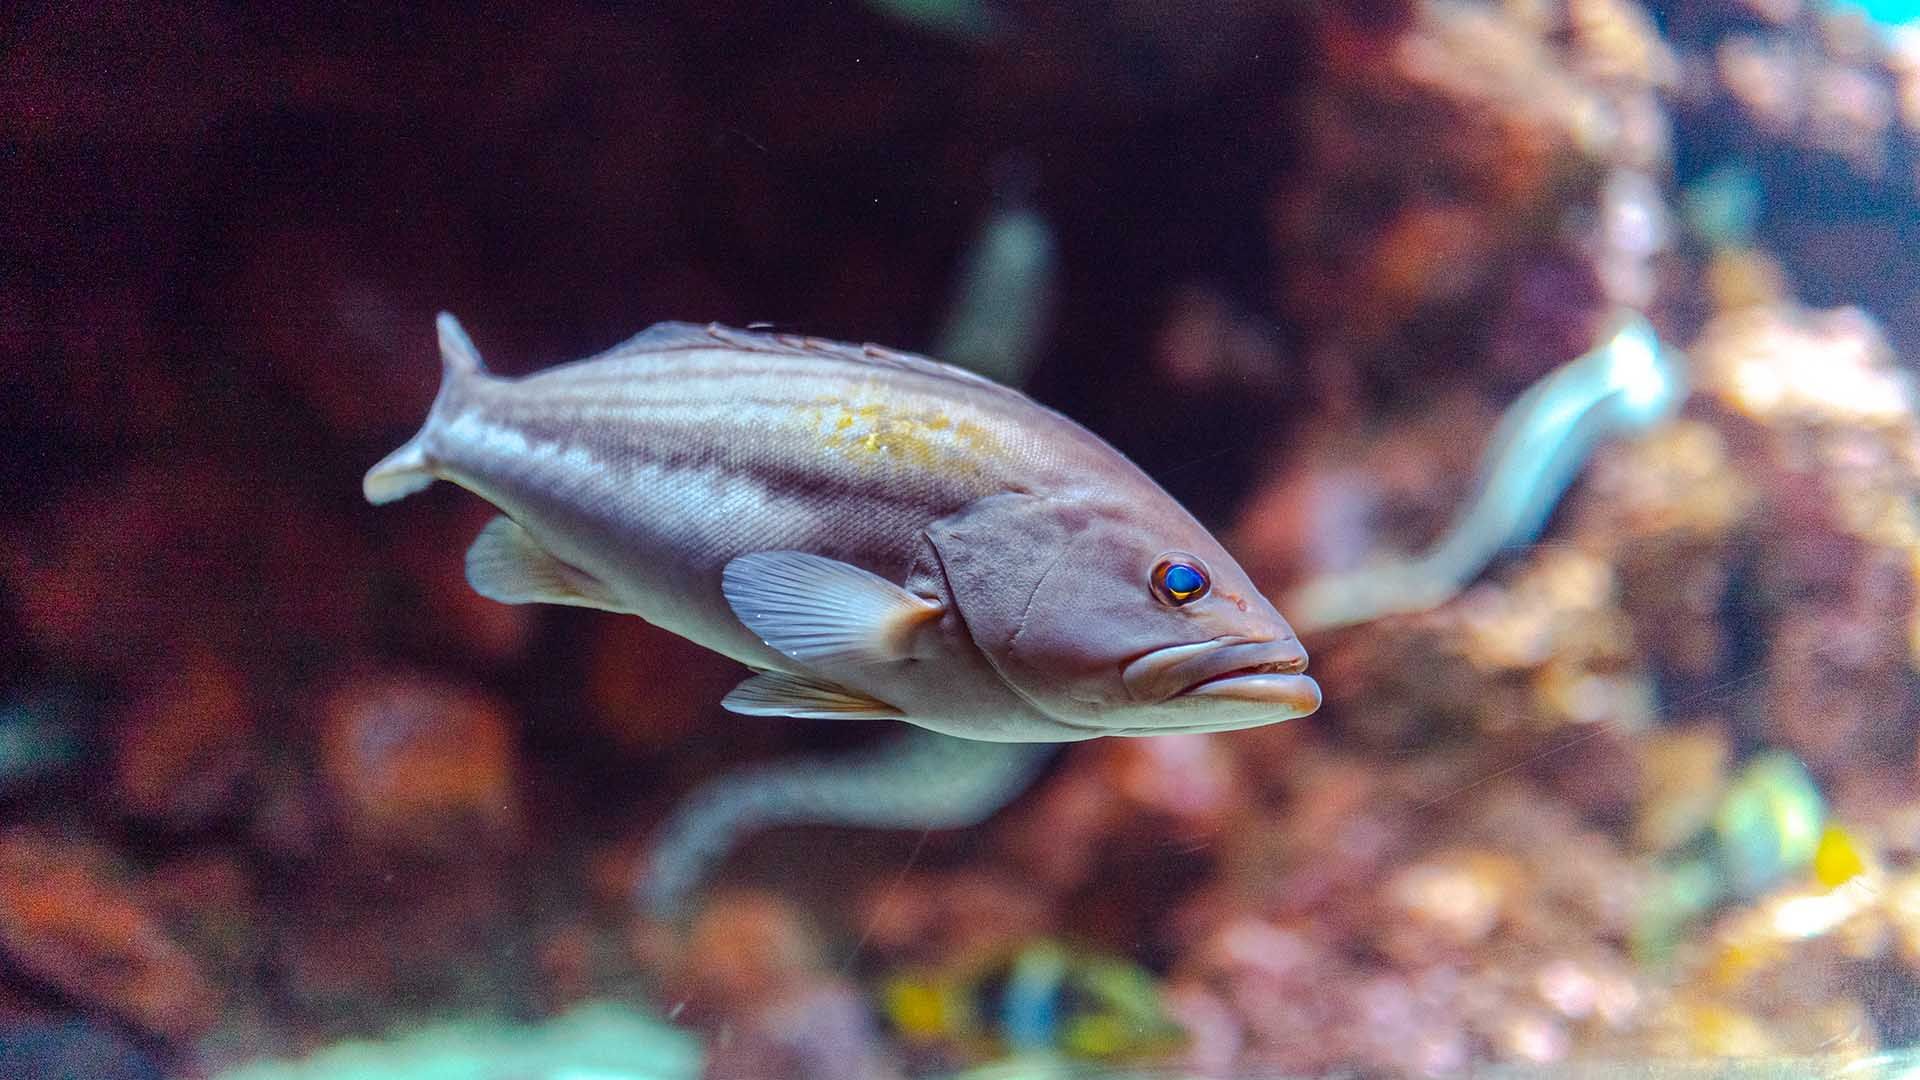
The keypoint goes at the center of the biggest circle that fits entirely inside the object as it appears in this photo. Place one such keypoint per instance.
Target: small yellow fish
(876, 534)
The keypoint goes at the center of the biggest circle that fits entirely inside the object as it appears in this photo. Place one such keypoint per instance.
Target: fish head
(1123, 617)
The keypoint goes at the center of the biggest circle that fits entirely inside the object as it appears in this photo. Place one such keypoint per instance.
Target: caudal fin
(410, 469)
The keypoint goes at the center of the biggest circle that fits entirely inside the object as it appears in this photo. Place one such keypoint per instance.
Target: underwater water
(752, 705)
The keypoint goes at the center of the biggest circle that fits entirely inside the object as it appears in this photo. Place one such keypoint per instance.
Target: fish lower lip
(1299, 693)
(1180, 670)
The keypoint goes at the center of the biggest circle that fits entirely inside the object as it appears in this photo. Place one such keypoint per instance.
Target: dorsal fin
(662, 337)
(457, 355)
(676, 336)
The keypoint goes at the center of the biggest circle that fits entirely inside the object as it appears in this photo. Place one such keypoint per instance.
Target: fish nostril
(1292, 664)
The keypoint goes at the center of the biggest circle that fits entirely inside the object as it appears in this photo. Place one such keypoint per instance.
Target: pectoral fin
(821, 611)
(777, 693)
(508, 565)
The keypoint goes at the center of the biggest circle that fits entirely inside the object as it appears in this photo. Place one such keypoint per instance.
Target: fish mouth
(1264, 672)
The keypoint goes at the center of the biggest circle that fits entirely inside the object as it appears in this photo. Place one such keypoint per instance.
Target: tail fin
(408, 469)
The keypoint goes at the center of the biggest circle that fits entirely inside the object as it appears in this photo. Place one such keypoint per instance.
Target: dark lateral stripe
(802, 479)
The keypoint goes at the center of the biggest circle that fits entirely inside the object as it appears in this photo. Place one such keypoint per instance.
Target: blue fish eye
(1182, 579)
(1179, 579)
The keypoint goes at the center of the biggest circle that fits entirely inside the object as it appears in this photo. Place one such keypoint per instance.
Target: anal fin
(779, 693)
(508, 565)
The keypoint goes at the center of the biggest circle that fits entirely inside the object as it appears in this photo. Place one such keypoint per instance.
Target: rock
(756, 978)
(71, 1050)
(418, 762)
(184, 751)
(150, 566)
(1686, 773)
(71, 922)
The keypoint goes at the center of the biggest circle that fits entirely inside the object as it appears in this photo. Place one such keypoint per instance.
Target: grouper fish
(874, 533)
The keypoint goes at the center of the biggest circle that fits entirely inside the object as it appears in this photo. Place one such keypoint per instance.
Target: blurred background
(276, 786)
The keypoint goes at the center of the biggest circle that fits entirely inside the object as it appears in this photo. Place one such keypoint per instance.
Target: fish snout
(1270, 671)
(1268, 676)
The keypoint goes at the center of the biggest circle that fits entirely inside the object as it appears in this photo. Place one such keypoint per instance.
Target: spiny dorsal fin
(662, 337)
(673, 336)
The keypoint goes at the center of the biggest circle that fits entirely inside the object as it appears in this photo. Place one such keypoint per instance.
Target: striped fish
(874, 533)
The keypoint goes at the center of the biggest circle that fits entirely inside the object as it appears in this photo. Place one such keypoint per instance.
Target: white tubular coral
(920, 780)
(1542, 442)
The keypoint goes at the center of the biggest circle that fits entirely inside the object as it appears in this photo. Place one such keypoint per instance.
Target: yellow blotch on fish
(874, 431)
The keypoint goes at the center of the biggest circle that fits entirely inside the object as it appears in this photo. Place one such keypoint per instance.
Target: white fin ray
(778, 693)
(508, 565)
(821, 611)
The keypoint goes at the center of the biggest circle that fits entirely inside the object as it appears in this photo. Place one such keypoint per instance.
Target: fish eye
(1179, 578)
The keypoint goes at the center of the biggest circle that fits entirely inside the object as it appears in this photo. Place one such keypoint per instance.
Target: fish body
(874, 533)
(1042, 999)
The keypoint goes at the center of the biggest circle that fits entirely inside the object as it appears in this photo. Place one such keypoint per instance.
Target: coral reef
(277, 787)
(72, 925)
(1461, 155)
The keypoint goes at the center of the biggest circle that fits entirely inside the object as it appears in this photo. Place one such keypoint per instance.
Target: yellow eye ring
(1179, 578)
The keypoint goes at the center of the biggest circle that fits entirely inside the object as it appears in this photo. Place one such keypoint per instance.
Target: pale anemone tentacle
(917, 780)
(925, 780)
(1629, 383)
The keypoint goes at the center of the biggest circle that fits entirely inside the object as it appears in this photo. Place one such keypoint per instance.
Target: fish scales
(756, 456)
(693, 456)
(752, 459)
(709, 480)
